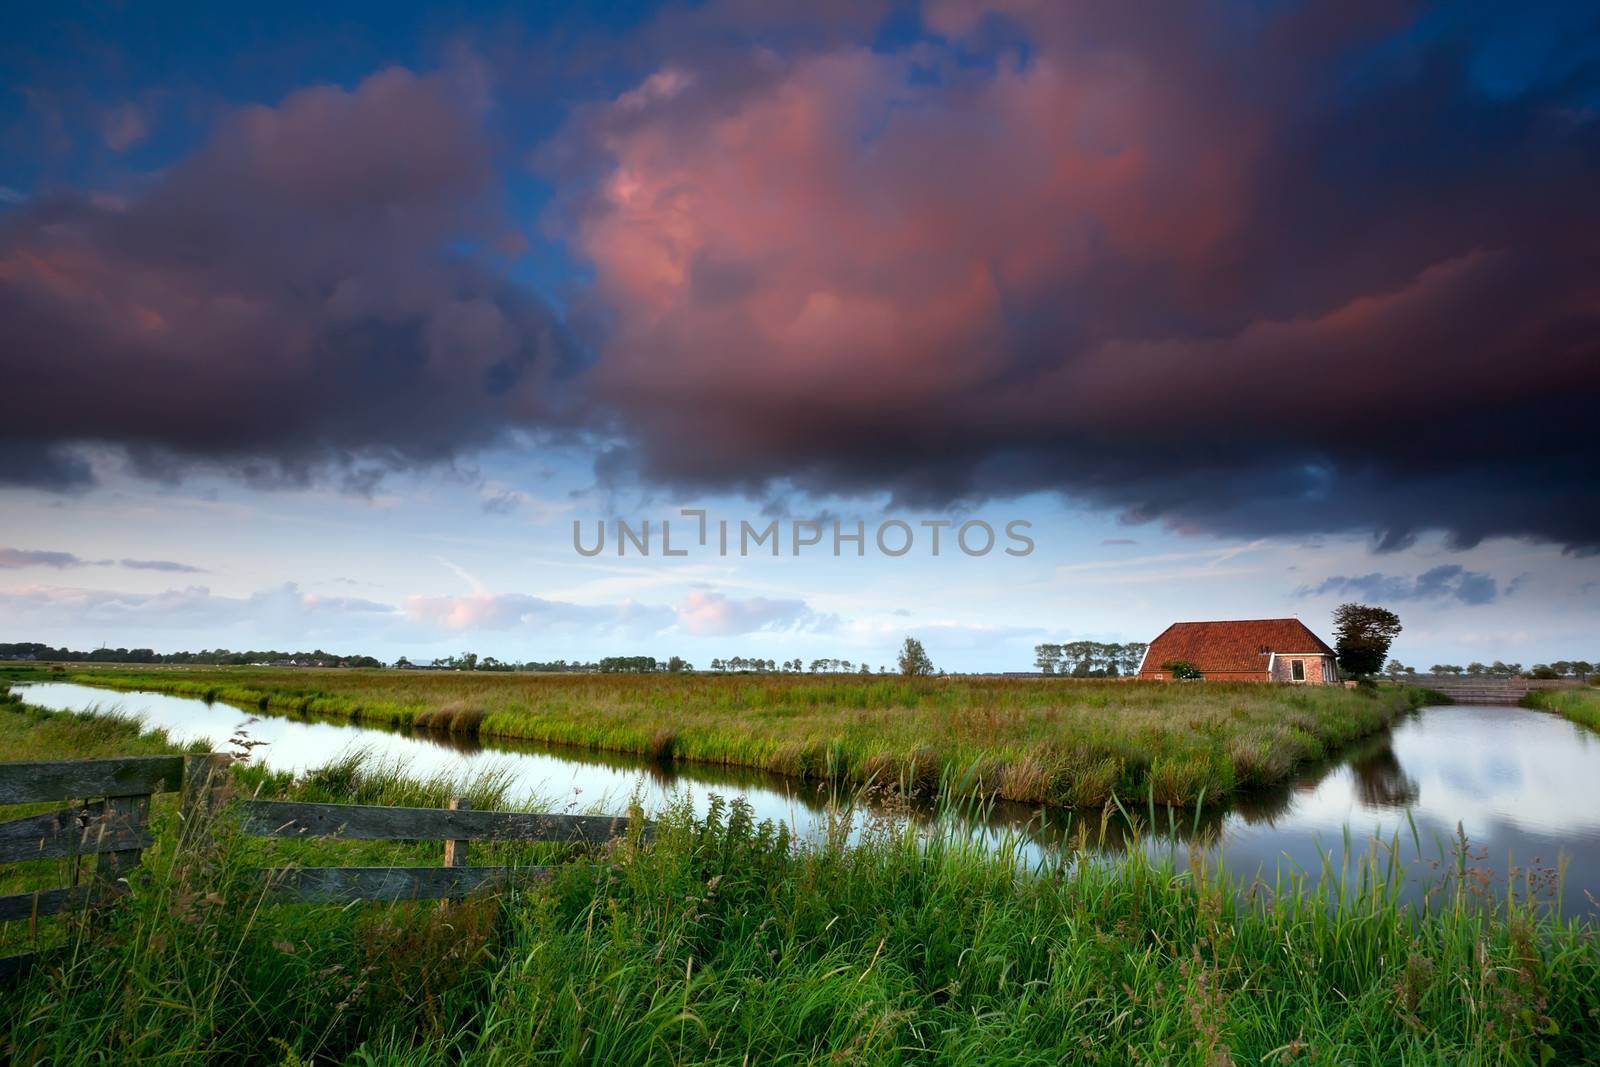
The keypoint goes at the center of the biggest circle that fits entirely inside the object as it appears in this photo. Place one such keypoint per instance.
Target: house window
(1297, 669)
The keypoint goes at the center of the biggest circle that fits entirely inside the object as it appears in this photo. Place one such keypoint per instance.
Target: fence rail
(78, 831)
(42, 902)
(110, 821)
(286, 818)
(112, 828)
(33, 781)
(455, 826)
(341, 885)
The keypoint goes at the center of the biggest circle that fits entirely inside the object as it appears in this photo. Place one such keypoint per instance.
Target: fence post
(204, 777)
(129, 812)
(455, 852)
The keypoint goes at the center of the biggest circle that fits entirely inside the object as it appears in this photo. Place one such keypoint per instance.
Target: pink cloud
(507, 611)
(705, 613)
(836, 224)
(1168, 270)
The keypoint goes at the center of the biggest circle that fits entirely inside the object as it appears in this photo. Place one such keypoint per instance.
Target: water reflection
(1380, 780)
(1518, 783)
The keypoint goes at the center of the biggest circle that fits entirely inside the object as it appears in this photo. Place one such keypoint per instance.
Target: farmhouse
(1245, 650)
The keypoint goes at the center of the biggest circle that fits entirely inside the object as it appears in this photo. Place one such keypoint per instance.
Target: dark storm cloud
(1447, 581)
(305, 291)
(1270, 269)
(36, 464)
(1321, 267)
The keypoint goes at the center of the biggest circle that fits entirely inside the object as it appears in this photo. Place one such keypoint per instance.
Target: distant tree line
(643, 665)
(917, 663)
(219, 657)
(1089, 659)
(759, 665)
(471, 661)
(1561, 668)
(467, 661)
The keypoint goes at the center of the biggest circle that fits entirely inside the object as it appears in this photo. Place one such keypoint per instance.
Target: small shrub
(1182, 670)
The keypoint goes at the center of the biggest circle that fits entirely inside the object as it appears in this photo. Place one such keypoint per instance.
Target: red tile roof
(1242, 645)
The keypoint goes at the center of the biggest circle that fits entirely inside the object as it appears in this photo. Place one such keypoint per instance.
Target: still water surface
(1523, 786)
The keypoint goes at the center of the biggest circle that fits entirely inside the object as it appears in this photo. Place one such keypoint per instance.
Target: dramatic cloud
(315, 286)
(1448, 581)
(1325, 267)
(1245, 269)
(705, 613)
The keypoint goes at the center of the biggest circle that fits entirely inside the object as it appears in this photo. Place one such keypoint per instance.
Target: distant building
(1245, 650)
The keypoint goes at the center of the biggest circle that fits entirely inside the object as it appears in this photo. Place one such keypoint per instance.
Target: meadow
(1066, 742)
(722, 941)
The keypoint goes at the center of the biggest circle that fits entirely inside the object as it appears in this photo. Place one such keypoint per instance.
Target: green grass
(722, 941)
(1579, 705)
(1064, 742)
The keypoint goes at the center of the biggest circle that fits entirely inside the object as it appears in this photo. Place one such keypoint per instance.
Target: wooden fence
(110, 820)
(455, 826)
(110, 824)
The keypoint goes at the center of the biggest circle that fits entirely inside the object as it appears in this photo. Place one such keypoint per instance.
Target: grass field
(723, 942)
(1579, 705)
(1065, 742)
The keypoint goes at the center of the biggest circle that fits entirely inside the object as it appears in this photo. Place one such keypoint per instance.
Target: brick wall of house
(1213, 676)
(1319, 669)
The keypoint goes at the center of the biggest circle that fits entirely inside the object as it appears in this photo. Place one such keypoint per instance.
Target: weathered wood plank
(204, 778)
(78, 831)
(284, 818)
(341, 885)
(42, 902)
(205, 788)
(38, 780)
(109, 867)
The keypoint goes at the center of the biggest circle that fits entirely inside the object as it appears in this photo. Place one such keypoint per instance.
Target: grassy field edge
(1067, 743)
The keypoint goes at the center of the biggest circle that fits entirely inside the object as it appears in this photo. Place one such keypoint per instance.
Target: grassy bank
(1579, 705)
(1065, 742)
(722, 942)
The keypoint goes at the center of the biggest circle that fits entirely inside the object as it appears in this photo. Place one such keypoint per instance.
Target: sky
(322, 325)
